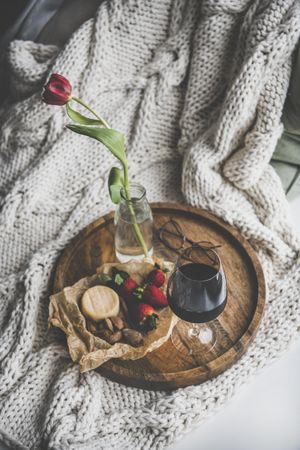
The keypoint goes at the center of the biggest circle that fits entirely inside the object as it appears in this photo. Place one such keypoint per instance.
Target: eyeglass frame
(185, 239)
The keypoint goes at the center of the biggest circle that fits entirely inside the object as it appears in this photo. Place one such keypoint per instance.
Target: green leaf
(115, 184)
(112, 139)
(122, 273)
(119, 280)
(104, 278)
(79, 118)
(138, 292)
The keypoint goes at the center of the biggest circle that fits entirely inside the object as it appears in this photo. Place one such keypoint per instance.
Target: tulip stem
(78, 100)
(135, 225)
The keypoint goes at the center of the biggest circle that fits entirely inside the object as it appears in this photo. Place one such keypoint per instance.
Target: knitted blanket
(197, 87)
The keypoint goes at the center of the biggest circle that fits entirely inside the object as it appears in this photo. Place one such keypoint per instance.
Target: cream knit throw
(194, 83)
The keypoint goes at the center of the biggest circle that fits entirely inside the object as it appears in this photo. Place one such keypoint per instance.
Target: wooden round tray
(167, 368)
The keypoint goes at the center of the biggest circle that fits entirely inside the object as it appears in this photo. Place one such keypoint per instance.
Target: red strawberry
(157, 277)
(154, 296)
(146, 316)
(128, 287)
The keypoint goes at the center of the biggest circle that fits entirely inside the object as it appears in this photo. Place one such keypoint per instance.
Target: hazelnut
(132, 337)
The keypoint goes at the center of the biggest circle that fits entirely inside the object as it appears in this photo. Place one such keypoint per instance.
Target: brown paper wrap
(89, 350)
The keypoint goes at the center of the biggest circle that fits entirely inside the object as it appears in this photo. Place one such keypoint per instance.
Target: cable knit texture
(197, 87)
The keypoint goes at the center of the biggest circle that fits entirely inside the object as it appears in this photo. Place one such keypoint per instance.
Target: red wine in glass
(197, 293)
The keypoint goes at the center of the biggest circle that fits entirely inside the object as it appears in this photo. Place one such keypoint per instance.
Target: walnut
(108, 324)
(117, 322)
(109, 336)
(91, 326)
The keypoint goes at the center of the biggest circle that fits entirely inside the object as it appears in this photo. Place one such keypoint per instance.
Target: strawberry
(146, 316)
(157, 277)
(155, 296)
(128, 287)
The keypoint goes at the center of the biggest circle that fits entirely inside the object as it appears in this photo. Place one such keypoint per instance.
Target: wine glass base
(193, 338)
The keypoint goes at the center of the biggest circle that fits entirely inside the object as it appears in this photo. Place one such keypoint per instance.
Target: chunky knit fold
(198, 89)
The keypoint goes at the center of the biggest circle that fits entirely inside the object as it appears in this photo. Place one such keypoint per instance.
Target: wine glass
(197, 294)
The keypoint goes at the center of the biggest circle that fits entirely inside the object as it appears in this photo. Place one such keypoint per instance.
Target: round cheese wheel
(100, 302)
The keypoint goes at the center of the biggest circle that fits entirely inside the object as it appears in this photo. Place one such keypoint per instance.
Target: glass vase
(134, 225)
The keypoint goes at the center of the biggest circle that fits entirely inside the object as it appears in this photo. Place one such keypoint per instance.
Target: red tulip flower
(57, 91)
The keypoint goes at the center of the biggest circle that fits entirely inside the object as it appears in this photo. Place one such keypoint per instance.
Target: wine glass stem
(202, 332)
(196, 338)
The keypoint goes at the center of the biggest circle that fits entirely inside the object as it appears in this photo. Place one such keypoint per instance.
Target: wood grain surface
(167, 368)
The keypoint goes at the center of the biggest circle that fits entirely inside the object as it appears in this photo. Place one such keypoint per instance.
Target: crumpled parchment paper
(89, 350)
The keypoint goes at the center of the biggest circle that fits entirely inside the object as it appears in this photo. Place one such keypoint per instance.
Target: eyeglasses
(172, 236)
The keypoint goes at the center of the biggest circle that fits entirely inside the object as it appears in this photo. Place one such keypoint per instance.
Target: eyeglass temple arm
(186, 239)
